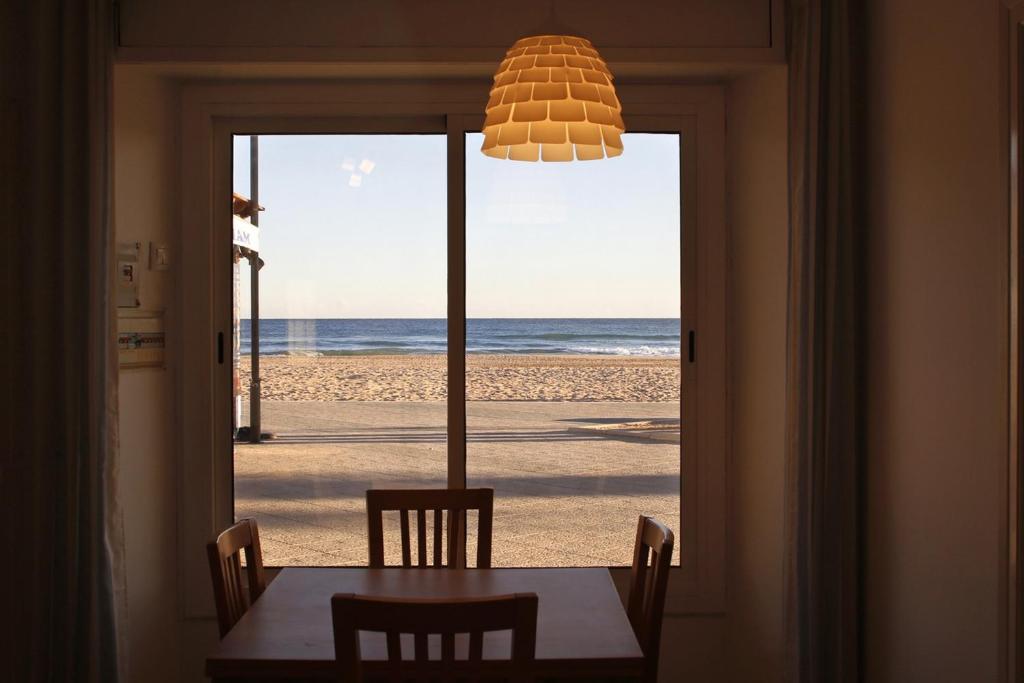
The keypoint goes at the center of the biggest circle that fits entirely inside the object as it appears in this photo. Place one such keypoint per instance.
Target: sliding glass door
(520, 331)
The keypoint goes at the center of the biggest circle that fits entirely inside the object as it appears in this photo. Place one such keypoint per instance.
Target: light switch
(128, 272)
(159, 256)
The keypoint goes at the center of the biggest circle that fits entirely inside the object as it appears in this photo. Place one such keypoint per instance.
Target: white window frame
(212, 113)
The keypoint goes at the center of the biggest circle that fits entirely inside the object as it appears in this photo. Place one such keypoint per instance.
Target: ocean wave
(514, 350)
(569, 336)
(383, 351)
(629, 350)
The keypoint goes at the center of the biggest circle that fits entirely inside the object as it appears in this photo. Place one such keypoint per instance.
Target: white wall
(937, 345)
(145, 161)
(745, 643)
(758, 233)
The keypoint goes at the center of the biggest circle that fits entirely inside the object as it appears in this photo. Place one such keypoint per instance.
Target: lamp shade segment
(553, 100)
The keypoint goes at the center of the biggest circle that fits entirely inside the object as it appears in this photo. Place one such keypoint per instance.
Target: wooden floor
(306, 487)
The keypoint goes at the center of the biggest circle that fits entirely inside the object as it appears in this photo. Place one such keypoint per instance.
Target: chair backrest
(224, 554)
(450, 503)
(418, 620)
(647, 586)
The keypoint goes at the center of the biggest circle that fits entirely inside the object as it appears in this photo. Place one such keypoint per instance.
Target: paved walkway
(563, 497)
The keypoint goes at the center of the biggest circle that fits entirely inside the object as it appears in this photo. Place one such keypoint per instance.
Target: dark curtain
(61, 528)
(823, 347)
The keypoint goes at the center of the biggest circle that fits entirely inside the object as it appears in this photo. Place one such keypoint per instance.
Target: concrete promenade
(563, 496)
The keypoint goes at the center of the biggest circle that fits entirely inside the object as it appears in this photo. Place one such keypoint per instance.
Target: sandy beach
(489, 378)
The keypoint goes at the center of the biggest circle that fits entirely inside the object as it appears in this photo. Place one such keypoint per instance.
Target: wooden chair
(647, 587)
(455, 501)
(446, 617)
(226, 571)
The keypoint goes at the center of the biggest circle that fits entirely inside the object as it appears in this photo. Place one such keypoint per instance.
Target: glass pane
(573, 349)
(352, 336)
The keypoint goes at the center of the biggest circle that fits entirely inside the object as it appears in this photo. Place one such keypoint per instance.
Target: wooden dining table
(582, 628)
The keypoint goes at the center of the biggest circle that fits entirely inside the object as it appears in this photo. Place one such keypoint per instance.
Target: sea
(353, 337)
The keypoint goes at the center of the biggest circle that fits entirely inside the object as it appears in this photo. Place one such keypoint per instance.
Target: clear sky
(355, 227)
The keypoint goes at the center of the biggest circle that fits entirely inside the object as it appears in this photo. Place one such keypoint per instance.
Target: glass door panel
(573, 349)
(352, 335)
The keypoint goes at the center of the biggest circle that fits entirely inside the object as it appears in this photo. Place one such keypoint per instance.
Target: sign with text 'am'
(246, 234)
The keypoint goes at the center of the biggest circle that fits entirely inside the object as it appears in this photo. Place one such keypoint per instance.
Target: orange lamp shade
(553, 100)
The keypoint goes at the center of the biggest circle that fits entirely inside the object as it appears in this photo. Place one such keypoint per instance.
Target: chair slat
(438, 526)
(406, 555)
(420, 644)
(456, 556)
(254, 563)
(447, 647)
(483, 537)
(394, 646)
(476, 646)
(460, 538)
(421, 537)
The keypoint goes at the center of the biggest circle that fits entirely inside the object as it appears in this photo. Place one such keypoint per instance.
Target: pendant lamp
(553, 100)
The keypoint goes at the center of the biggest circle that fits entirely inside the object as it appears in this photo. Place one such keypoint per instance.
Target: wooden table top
(581, 623)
